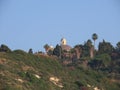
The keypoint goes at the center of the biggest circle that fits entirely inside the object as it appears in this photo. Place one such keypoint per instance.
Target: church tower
(63, 41)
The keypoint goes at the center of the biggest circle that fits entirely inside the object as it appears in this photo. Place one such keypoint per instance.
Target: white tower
(63, 41)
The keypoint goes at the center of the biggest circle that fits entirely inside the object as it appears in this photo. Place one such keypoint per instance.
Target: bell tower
(63, 41)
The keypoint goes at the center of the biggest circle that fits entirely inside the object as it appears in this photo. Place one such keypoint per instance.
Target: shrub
(19, 52)
(4, 48)
(106, 59)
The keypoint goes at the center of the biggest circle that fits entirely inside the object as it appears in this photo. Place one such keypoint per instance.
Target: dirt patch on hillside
(26, 68)
(3, 61)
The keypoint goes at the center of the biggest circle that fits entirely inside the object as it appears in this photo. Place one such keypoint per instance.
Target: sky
(26, 24)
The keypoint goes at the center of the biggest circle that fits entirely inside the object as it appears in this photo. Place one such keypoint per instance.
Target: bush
(4, 48)
(19, 52)
(95, 64)
(30, 51)
(106, 59)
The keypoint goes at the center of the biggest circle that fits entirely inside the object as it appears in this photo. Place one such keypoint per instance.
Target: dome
(66, 47)
(63, 41)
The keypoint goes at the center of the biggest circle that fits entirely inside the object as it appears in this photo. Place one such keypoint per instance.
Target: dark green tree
(105, 47)
(89, 43)
(117, 51)
(95, 64)
(101, 61)
(57, 51)
(91, 48)
(30, 51)
(88, 49)
(118, 45)
(4, 48)
(78, 51)
(85, 50)
(94, 37)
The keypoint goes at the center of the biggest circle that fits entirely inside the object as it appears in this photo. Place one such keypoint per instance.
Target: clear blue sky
(28, 24)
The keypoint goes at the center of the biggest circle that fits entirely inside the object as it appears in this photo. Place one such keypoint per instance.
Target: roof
(66, 47)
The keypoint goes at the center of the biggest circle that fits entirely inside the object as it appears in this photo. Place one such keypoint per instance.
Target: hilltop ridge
(23, 71)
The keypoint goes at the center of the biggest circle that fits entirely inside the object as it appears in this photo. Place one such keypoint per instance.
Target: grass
(21, 65)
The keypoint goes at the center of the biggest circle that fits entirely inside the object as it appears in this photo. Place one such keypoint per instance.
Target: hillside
(22, 71)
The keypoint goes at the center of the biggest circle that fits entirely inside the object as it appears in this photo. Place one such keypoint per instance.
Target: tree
(89, 43)
(88, 49)
(4, 48)
(105, 47)
(30, 51)
(118, 48)
(94, 37)
(101, 61)
(85, 50)
(118, 45)
(46, 46)
(78, 51)
(95, 64)
(91, 48)
(57, 51)
(50, 52)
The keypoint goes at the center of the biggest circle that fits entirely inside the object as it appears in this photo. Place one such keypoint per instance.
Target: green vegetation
(81, 68)
(4, 48)
(18, 70)
(94, 37)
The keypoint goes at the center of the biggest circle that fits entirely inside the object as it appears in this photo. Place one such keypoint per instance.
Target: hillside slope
(22, 71)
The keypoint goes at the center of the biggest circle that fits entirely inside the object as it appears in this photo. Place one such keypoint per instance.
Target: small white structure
(63, 41)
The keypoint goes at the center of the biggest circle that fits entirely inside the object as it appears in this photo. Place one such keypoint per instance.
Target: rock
(20, 80)
(56, 81)
(37, 76)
